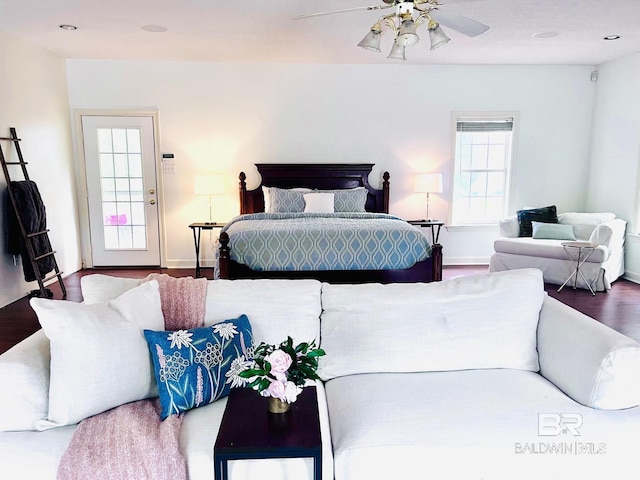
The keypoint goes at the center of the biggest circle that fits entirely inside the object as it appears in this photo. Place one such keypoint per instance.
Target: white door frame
(81, 179)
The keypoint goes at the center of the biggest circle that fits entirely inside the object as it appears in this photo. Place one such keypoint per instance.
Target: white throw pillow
(98, 288)
(318, 202)
(24, 396)
(99, 356)
(478, 321)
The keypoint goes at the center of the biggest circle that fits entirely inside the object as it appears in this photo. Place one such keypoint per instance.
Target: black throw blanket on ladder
(34, 219)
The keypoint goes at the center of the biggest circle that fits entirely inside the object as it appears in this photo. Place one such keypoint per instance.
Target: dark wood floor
(619, 308)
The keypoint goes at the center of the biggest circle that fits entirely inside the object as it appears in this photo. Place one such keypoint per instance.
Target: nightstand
(197, 230)
(249, 431)
(435, 227)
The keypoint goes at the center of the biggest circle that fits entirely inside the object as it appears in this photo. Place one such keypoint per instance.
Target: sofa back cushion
(276, 308)
(473, 322)
(584, 223)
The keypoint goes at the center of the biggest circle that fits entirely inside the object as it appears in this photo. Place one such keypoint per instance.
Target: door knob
(152, 201)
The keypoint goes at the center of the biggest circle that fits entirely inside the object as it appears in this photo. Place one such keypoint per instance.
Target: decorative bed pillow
(555, 231)
(284, 200)
(198, 366)
(99, 357)
(350, 199)
(318, 202)
(544, 214)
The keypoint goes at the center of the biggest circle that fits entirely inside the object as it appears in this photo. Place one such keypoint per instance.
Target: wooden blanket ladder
(30, 237)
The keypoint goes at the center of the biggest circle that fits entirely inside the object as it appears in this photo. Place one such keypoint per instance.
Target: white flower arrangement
(280, 371)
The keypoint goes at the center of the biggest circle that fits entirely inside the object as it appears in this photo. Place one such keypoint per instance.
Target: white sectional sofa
(602, 268)
(480, 377)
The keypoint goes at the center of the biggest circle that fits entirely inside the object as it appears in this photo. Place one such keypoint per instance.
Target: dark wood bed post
(385, 189)
(243, 193)
(436, 262)
(224, 256)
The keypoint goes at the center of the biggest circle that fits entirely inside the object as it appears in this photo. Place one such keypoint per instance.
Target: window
(483, 150)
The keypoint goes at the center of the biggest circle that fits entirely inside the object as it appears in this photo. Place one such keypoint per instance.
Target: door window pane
(122, 188)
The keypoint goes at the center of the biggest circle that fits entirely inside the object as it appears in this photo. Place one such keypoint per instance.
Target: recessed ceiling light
(154, 28)
(612, 37)
(545, 35)
(65, 26)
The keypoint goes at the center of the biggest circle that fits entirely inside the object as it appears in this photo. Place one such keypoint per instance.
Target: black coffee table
(249, 431)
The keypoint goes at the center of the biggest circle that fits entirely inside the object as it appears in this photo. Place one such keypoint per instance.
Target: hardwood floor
(619, 308)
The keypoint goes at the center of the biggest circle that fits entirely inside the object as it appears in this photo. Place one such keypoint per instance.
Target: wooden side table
(435, 227)
(249, 431)
(583, 251)
(197, 228)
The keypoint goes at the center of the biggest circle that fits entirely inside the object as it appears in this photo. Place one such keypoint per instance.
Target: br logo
(555, 424)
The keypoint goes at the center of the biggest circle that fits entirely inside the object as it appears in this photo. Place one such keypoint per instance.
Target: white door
(120, 162)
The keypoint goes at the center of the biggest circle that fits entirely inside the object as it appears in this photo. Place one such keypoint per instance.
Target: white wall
(615, 155)
(226, 117)
(34, 100)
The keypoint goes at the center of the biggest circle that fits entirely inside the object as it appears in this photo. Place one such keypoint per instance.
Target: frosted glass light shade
(397, 52)
(209, 185)
(428, 183)
(437, 37)
(407, 33)
(371, 40)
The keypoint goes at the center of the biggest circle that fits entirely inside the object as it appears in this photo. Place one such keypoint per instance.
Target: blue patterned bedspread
(315, 241)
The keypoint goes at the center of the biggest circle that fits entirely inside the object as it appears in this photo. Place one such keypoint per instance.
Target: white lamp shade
(428, 183)
(209, 185)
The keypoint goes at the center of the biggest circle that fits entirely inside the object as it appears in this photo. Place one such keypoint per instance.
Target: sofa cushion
(554, 231)
(545, 248)
(276, 308)
(99, 357)
(99, 288)
(474, 424)
(480, 321)
(205, 369)
(543, 214)
(24, 396)
(584, 223)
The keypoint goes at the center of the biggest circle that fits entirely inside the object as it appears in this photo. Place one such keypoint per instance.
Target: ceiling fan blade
(459, 23)
(370, 7)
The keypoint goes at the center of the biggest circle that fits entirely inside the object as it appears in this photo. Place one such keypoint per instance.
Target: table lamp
(428, 183)
(209, 185)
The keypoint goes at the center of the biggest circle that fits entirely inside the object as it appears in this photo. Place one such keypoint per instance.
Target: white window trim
(510, 189)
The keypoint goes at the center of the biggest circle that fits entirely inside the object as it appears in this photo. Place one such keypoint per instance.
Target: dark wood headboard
(320, 176)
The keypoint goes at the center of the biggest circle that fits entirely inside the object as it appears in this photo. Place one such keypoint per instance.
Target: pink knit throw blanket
(130, 441)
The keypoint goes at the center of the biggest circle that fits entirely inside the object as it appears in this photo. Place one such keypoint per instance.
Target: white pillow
(472, 322)
(99, 357)
(580, 218)
(98, 288)
(318, 202)
(24, 396)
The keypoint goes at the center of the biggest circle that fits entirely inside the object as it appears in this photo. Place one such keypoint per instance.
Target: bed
(344, 181)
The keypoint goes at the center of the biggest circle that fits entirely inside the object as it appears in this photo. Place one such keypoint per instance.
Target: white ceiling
(263, 31)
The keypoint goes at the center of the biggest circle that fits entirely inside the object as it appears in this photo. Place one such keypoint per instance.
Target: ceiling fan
(403, 25)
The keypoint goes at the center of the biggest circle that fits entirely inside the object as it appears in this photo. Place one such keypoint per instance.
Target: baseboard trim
(465, 260)
(632, 277)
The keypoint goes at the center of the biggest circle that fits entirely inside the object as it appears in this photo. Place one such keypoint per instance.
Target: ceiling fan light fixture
(436, 35)
(397, 52)
(407, 34)
(371, 40)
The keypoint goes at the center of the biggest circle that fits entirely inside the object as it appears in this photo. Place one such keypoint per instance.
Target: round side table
(583, 251)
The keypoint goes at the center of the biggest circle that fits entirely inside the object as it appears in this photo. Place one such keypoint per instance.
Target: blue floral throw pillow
(198, 366)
